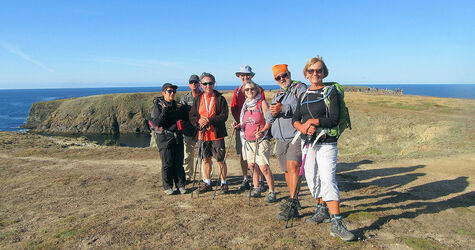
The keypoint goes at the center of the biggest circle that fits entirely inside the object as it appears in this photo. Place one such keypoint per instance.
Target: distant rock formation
(100, 114)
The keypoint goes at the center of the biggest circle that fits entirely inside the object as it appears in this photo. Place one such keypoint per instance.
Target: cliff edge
(99, 114)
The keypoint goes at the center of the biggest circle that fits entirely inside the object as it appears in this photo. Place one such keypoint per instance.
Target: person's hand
(236, 125)
(311, 130)
(275, 109)
(259, 134)
(203, 121)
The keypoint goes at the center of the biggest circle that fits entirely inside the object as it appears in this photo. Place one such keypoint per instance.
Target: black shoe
(290, 211)
(244, 185)
(321, 215)
(339, 229)
(287, 203)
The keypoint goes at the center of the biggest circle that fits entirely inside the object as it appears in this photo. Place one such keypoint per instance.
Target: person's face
(194, 85)
(315, 73)
(283, 79)
(169, 94)
(250, 91)
(207, 85)
(245, 77)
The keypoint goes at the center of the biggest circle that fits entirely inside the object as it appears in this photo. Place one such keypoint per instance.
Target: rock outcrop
(100, 114)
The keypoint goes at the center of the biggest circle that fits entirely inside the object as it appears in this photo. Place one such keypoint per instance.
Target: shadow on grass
(421, 195)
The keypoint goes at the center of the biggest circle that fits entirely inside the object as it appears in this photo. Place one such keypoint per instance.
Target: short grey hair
(205, 74)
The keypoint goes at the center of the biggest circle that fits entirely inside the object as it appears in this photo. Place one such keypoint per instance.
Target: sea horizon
(16, 103)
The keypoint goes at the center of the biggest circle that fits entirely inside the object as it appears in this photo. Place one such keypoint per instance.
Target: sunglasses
(244, 74)
(193, 82)
(249, 89)
(285, 75)
(311, 71)
(169, 91)
(207, 83)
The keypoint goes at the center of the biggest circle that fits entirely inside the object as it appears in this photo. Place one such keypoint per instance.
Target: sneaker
(270, 197)
(287, 213)
(224, 189)
(205, 187)
(287, 203)
(338, 228)
(262, 186)
(182, 190)
(169, 191)
(255, 193)
(321, 215)
(244, 185)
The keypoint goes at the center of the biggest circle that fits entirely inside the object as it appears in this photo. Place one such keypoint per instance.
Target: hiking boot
(289, 212)
(244, 185)
(287, 203)
(321, 215)
(224, 188)
(338, 228)
(205, 187)
(168, 191)
(270, 197)
(182, 190)
(262, 186)
(255, 193)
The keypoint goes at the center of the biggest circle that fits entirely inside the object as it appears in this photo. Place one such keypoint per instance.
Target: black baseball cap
(168, 85)
(194, 78)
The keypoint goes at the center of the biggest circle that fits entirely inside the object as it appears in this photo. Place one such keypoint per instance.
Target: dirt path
(87, 203)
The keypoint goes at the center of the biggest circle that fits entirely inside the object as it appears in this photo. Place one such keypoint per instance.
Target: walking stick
(224, 162)
(293, 204)
(200, 158)
(254, 169)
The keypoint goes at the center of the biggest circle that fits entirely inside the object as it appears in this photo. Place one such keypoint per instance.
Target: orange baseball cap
(279, 68)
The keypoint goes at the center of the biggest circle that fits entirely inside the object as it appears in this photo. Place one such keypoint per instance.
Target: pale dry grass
(406, 180)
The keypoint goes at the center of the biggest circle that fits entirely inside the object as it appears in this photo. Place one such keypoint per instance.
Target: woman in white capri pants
(313, 115)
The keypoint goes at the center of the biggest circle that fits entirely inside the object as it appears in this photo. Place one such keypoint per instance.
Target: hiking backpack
(344, 121)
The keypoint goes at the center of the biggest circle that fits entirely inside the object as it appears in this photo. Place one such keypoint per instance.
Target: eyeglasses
(207, 83)
(285, 75)
(244, 74)
(249, 89)
(193, 82)
(311, 71)
(169, 91)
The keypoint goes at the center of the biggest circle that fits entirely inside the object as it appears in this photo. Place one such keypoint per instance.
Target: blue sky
(61, 44)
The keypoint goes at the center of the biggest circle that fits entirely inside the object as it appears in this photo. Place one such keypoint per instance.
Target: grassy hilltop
(405, 173)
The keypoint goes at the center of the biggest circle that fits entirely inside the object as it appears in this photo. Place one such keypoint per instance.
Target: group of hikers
(299, 118)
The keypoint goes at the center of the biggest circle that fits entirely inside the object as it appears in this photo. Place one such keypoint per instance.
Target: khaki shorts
(263, 152)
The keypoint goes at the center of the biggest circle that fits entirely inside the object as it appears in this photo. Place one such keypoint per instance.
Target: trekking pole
(293, 204)
(224, 162)
(200, 159)
(255, 165)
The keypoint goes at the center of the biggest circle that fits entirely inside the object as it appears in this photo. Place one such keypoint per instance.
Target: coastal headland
(406, 172)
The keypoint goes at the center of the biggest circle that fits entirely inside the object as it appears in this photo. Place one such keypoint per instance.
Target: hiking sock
(336, 216)
(208, 181)
(223, 182)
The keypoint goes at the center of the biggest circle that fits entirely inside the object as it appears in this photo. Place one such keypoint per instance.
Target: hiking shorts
(217, 149)
(263, 152)
(238, 140)
(286, 151)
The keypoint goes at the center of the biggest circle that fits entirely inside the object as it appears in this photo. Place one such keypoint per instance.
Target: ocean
(16, 103)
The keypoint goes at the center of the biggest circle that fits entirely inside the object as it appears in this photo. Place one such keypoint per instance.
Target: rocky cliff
(100, 114)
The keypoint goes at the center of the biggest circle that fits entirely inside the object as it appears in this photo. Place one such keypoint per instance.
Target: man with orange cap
(280, 115)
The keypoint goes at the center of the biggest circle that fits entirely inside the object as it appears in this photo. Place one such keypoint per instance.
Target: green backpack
(345, 121)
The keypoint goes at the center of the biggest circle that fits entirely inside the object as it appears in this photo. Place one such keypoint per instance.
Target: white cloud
(14, 50)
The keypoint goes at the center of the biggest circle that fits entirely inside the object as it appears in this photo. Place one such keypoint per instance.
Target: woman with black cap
(169, 118)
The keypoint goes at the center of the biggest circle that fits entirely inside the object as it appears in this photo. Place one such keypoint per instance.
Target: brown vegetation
(405, 171)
